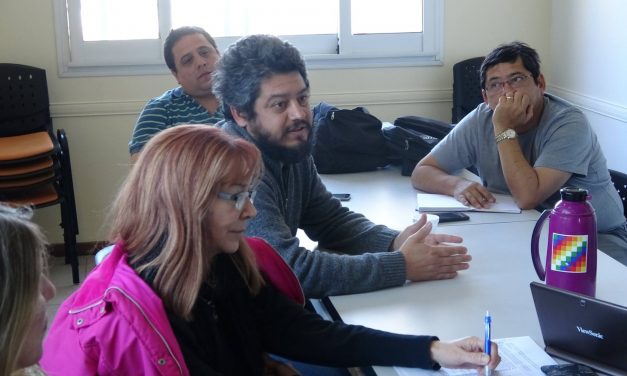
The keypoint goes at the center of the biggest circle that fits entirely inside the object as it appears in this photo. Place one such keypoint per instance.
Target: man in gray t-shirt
(527, 143)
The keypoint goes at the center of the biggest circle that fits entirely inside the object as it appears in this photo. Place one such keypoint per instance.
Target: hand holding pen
(465, 353)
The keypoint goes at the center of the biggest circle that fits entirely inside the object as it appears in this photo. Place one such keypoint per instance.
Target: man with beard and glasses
(191, 54)
(263, 85)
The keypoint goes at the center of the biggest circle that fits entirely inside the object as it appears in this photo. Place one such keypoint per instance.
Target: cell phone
(567, 370)
(342, 196)
(451, 216)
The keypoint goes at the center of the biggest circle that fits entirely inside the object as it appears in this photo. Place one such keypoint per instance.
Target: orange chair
(35, 165)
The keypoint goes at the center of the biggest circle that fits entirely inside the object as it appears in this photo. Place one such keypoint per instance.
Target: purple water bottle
(571, 255)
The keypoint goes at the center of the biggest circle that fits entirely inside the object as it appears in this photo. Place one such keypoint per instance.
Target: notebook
(433, 202)
(582, 329)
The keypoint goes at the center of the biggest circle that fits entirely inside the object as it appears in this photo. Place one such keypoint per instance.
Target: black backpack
(411, 138)
(347, 140)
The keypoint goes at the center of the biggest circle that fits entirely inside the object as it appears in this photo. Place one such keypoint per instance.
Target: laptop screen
(582, 329)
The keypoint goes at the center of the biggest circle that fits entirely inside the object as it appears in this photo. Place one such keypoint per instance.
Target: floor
(61, 277)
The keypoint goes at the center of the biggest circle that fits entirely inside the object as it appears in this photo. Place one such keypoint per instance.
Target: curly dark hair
(246, 63)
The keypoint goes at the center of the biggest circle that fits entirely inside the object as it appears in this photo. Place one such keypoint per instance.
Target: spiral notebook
(582, 329)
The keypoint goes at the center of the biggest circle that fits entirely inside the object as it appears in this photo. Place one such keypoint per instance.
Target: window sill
(313, 62)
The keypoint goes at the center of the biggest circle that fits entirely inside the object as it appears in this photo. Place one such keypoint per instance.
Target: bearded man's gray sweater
(352, 254)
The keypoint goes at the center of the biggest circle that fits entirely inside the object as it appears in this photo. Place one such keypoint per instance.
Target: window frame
(142, 57)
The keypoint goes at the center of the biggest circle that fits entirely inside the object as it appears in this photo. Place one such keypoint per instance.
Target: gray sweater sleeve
(353, 254)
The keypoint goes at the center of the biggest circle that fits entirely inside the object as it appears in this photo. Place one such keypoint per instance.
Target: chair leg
(74, 261)
(70, 228)
(73, 233)
(69, 238)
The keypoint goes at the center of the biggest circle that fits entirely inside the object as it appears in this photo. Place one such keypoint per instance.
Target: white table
(387, 197)
(498, 278)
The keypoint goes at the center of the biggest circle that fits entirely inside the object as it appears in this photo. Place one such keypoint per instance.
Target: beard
(271, 147)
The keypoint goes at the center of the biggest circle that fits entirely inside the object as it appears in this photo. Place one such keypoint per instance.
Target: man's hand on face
(513, 111)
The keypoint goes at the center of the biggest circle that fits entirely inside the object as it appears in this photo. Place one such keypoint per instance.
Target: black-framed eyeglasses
(514, 82)
(238, 198)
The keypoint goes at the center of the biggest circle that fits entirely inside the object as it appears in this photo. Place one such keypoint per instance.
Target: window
(112, 37)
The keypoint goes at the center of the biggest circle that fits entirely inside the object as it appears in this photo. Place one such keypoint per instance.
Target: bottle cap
(573, 194)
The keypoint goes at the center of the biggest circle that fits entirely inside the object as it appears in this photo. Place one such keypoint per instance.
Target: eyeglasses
(515, 82)
(238, 198)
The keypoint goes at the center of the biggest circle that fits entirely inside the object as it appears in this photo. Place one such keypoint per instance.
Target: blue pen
(487, 326)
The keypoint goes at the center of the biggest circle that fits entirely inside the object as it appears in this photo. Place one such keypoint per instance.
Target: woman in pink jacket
(183, 292)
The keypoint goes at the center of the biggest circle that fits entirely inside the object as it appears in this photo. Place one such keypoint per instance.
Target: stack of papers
(520, 356)
(432, 202)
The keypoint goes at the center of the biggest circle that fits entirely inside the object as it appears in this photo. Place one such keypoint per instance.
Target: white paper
(432, 202)
(520, 356)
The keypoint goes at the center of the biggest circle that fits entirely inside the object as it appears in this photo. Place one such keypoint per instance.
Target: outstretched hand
(465, 353)
(430, 256)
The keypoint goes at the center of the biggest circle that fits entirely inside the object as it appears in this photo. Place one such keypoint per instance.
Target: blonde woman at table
(24, 291)
(182, 291)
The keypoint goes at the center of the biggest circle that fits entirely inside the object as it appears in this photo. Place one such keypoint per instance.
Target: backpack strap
(276, 271)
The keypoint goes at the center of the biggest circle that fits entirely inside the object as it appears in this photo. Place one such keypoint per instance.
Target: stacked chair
(35, 167)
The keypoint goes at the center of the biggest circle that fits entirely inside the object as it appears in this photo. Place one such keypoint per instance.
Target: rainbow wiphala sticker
(569, 253)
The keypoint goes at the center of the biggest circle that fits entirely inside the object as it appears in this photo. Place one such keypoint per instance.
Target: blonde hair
(22, 259)
(164, 202)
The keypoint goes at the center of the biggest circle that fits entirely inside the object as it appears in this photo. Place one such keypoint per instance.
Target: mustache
(297, 124)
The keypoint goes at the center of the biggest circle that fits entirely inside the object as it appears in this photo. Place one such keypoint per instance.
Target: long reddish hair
(164, 202)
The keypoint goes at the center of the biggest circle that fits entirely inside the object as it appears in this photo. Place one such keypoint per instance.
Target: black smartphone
(451, 216)
(568, 370)
(342, 196)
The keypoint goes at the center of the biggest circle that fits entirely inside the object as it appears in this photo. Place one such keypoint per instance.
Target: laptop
(582, 329)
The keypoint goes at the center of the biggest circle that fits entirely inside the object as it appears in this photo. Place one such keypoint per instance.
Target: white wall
(589, 54)
(98, 113)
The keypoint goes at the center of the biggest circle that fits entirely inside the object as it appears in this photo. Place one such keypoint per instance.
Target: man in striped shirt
(191, 54)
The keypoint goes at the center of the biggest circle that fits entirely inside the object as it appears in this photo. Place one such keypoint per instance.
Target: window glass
(243, 17)
(119, 20)
(389, 16)
(116, 37)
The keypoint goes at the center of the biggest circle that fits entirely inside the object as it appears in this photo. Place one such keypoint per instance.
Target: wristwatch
(507, 134)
